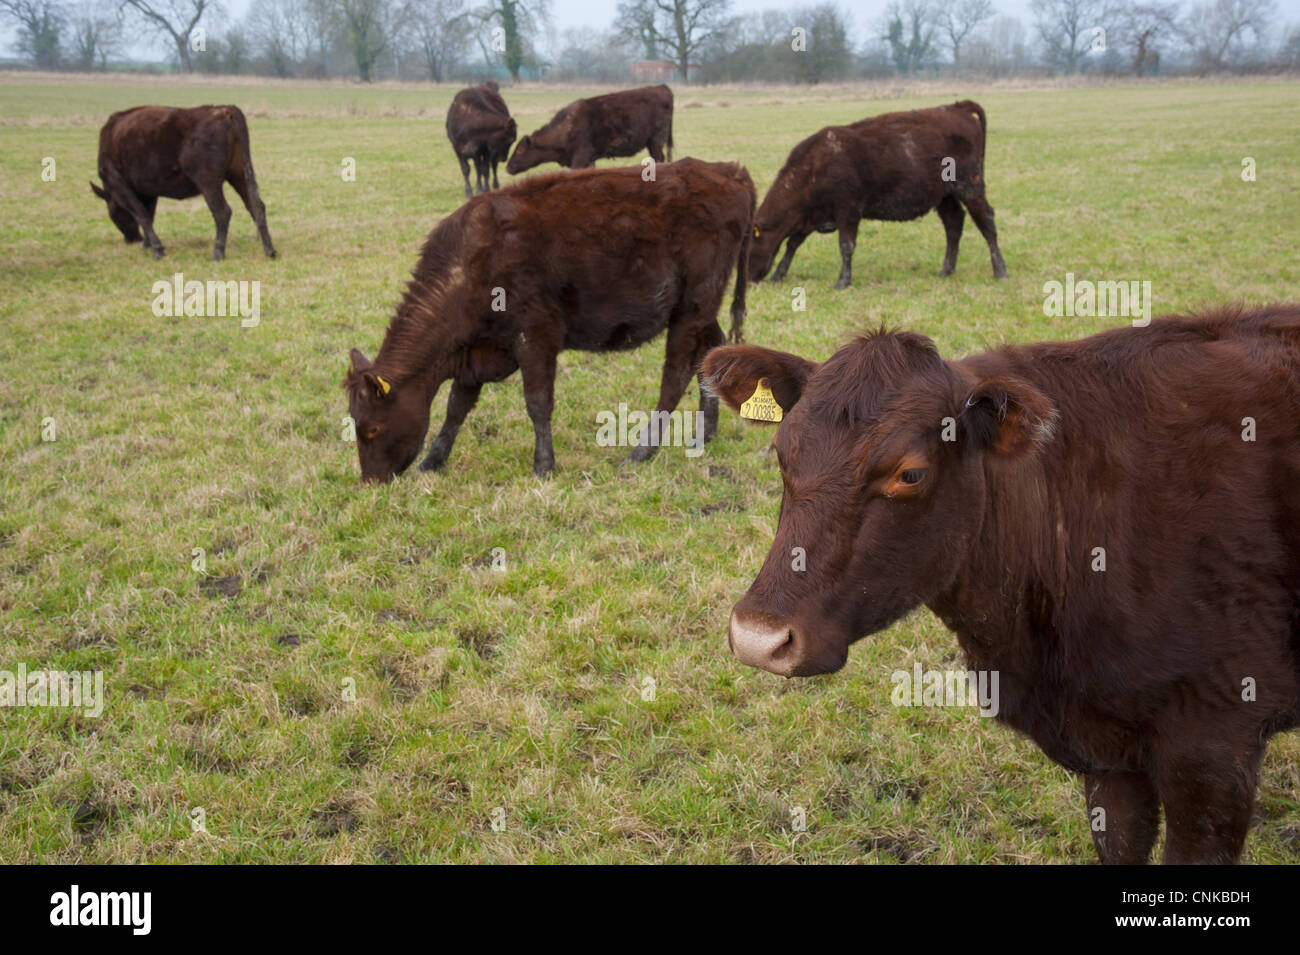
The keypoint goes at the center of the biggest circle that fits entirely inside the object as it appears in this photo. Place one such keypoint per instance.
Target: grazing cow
(153, 151)
(1112, 525)
(599, 260)
(893, 167)
(480, 128)
(616, 124)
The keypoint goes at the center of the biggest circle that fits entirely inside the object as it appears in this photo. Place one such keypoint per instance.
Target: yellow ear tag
(384, 387)
(761, 405)
(756, 232)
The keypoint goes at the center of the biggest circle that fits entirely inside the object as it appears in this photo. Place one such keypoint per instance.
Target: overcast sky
(599, 15)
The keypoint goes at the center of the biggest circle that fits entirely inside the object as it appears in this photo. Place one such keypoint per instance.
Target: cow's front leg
(459, 404)
(496, 183)
(537, 367)
(848, 242)
(953, 217)
(791, 246)
(221, 215)
(1124, 816)
(1207, 786)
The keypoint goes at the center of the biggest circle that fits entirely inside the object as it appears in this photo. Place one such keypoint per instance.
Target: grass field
(519, 693)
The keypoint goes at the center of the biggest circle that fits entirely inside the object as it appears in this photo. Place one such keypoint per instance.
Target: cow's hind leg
(710, 339)
(848, 229)
(221, 214)
(247, 189)
(464, 171)
(459, 404)
(689, 339)
(982, 213)
(480, 171)
(953, 216)
(1124, 815)
(537, 366)
(1207, 785)
(791, 246)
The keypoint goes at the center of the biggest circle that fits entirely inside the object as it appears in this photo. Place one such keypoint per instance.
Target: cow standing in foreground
(480, 128)
(161, 151)
(616, 124)
(893, 167)
(1111, 524)
(600, 260)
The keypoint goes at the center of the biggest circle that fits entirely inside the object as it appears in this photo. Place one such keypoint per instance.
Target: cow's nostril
(759, 641)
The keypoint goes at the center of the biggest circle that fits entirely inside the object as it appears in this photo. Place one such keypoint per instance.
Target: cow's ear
(359, 361)
(735, 372)
(1008, 416)
(98, 191)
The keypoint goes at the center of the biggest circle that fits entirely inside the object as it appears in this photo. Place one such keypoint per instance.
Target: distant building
(660, 71)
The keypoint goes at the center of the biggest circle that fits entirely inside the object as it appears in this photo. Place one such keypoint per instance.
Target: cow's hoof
(1000, 275)
(842, 284)
(157, 251)
(434, 460)
(218, 256)
(641, 453)
(543, 473)
(271, 253)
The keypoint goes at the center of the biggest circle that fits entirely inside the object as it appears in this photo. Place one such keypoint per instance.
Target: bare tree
(1142, 26)
(367, 27)
(174, 19)
(277, 30)
(959, 19)
(440, 31)
(1220, 29)
(909, 31)
(1067, 29)
(96, 34)
(39, 24)
(518, 22)
(679, 29)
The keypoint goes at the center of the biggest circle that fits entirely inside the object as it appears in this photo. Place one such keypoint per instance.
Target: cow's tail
(971, 106)
(737, 333)
(236, 118)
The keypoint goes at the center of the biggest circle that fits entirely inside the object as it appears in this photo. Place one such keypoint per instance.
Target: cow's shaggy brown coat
(599, 260)
(160, 151)
(1111, 524)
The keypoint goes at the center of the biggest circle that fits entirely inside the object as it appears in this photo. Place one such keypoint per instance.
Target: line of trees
(699, 40)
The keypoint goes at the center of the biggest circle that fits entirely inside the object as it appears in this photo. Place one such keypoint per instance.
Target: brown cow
(616, 124)
(153, 151)
(1112, 525)
(480, 128)
(599, 260)
(893, 167)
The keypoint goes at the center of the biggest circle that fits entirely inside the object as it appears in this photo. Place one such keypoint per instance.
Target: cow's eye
(371, 432)
(912, 476)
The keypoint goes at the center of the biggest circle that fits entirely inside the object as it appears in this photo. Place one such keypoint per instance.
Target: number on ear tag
(761, 405)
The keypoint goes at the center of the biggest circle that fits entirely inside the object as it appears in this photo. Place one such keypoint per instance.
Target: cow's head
(122, 218)
(390, 417)
(500, 143)
(885, 452)
(762, 248)
(528, 154)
